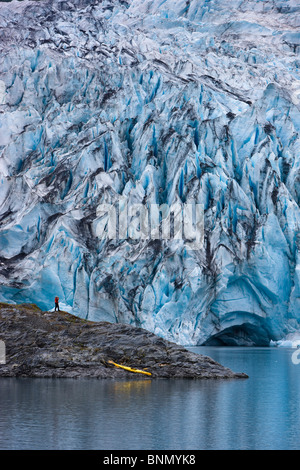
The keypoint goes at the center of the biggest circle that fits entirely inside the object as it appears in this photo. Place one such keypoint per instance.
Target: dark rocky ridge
(57, 344)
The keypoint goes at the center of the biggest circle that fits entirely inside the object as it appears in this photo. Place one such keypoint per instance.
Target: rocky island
(58, 344)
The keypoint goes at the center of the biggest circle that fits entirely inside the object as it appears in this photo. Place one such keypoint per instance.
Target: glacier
(159, 102)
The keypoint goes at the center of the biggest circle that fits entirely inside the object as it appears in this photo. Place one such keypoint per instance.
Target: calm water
(262, 412)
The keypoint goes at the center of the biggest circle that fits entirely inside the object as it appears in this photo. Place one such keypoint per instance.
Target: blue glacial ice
(153, 102)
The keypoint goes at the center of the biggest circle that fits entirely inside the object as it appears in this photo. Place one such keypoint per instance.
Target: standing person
(56, 303)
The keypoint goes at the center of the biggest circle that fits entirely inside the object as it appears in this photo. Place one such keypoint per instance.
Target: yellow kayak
(130, 368)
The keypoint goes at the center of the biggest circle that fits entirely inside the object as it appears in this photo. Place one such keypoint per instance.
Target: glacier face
(160, 102)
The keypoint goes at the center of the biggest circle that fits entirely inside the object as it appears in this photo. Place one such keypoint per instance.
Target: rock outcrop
(58, 344)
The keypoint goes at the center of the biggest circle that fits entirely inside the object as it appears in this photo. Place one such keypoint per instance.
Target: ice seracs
(156, 102)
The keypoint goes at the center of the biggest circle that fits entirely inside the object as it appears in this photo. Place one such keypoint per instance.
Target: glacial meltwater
(262, 412)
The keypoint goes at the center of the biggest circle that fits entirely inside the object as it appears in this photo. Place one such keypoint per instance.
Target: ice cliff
(158, 102)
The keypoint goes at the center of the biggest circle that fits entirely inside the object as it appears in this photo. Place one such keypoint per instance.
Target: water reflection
(260, 412)
(132, 386)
